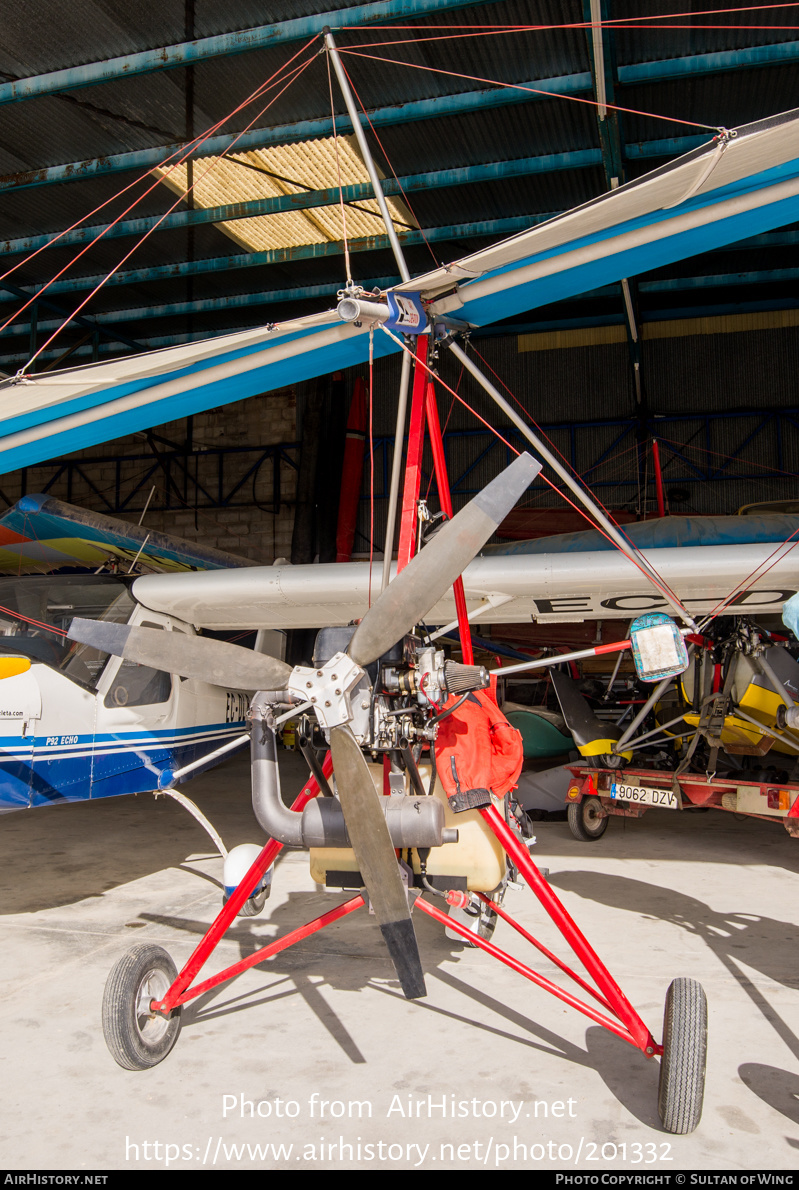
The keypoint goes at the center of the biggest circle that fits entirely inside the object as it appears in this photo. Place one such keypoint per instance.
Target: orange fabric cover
(486, 749)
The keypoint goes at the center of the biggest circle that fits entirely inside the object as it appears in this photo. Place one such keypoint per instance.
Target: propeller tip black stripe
(400, 938)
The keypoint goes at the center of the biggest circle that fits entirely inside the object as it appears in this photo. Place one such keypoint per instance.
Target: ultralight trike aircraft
(445, 835)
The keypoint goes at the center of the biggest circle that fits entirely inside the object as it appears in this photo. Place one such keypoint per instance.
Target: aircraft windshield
(32, 606)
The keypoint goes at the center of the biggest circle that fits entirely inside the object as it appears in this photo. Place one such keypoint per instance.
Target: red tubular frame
(231, 908)
(616, 1000)
(266, 952)
(658, 477)
(553, 958)
(628, 1024)
(444, 495)
(413, 462)
(527, 972)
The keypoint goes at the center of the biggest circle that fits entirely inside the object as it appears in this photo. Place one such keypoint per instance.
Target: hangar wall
(117, 477)
(724, 406)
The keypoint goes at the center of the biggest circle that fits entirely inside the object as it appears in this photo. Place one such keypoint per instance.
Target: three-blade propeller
(405, 601)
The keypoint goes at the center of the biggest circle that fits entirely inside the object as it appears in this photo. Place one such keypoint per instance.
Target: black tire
(682, 1064)
(484, 926)
(253, 905)
(488, 923)
(136, 1037)
(585, 823)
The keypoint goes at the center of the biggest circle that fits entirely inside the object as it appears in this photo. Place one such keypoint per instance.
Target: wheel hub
(151, 1025)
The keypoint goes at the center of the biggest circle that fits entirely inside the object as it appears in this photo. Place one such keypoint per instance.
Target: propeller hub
(328, 688)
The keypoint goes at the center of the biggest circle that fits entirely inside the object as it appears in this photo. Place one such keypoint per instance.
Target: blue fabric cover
(665, 533)
(790, 614)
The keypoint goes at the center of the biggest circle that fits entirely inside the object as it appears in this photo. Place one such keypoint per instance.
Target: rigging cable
(475, 78)
(388, 163)
(347, 266)
(147, 234)
(610, 23)
(651, 577)
(752, 577)
(186, 149)
(647, 565)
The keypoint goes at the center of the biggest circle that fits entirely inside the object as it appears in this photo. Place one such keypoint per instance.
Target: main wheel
(682, 1064)
(137, 1037)
(587, 822)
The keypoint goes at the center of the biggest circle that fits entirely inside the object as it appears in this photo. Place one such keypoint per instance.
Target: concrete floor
(702, 895)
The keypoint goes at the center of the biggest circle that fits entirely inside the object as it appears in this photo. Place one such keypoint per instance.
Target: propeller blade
(377, 861)
(202, 657)
(432, 572)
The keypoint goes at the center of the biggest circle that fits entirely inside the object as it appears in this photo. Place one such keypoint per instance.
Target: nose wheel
(254, 904)
(137, 1037)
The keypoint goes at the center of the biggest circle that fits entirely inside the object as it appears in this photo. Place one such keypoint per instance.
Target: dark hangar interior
(488, 132)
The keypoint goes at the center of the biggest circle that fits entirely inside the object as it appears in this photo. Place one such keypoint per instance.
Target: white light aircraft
(76, 723)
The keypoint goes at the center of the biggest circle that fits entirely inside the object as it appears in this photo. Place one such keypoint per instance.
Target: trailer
(596, 794)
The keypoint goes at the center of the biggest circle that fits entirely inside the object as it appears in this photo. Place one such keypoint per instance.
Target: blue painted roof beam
(220, 264)
(769, 239)
(464, 175)
(774, 54)
(79, 320)
(240, 42)
(285, 32)
(304, 130)
(223, 264)
(573, 84)
(652, 316)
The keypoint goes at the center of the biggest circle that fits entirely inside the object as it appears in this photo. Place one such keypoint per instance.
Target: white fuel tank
(477, 856)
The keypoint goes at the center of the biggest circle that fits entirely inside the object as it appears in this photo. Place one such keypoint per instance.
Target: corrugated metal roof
(285, 169)
(143, 112)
